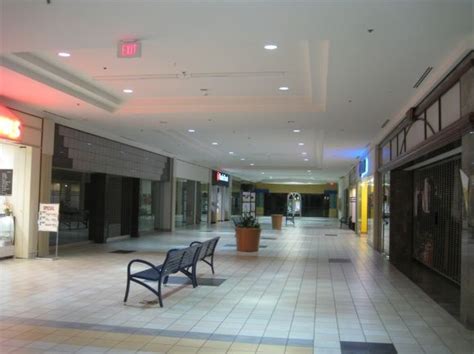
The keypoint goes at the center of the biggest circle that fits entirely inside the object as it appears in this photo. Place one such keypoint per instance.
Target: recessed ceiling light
(191, 130)
(306, 159)
(263, 173)
(304, 153)
(215, 143)
(242, 159)
(64, 54)
(231, 153)
(270, 46)
(309, 170)
(296, 130)
(127, 90)
(252, 164)
(301, 144)
(283, 88)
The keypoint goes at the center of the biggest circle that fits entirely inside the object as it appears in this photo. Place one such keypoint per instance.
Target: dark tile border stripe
(160, 332)
(367, 348)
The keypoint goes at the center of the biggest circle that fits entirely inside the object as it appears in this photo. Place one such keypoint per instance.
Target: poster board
(48, 217)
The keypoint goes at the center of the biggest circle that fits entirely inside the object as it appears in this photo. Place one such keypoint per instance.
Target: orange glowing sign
(10, 126)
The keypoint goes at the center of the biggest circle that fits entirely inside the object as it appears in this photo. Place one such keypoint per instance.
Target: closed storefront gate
(437, 217)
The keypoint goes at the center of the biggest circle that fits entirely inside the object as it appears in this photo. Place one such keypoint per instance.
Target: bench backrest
(177, 259)
(208, 247)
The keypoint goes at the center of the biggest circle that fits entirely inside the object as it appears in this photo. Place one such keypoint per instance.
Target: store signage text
(364, 167)
(48, 217)
(222, 177)
(10, 128)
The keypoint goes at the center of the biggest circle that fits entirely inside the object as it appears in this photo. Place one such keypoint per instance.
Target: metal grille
(438, 219)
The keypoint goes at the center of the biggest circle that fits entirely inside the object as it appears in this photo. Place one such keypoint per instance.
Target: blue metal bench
(177, 260)
(207, 251)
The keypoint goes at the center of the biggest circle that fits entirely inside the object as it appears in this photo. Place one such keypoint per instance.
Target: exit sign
(129, 49)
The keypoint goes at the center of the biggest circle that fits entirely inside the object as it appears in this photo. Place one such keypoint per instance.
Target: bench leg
(212, 264)
(127, 290)
(159, 293)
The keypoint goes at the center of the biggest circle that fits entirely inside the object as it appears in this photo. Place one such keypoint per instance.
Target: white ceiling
(344, 81)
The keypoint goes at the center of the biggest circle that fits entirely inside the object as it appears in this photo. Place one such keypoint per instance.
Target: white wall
(186, 170)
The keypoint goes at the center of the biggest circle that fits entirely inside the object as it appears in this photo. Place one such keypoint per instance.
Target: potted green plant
(247, 233)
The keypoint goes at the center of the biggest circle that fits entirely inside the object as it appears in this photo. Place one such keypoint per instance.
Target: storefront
(351, 200)
(192, 194)
(315, 200)
(365, 197)
(107, 189)
(221, 196)
(426, 189)
(20, 154)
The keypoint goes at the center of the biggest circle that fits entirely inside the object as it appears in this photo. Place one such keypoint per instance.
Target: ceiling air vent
(423, 76)
(384, 124)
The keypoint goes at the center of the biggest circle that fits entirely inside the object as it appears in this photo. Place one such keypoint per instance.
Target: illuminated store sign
(220, 178)
(364, 167)
(10, 127)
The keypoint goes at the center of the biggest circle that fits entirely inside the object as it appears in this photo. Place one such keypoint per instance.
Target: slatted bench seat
(177, 260)
(207, 251)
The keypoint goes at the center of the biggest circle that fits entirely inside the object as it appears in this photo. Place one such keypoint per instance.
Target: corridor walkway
(311, 288)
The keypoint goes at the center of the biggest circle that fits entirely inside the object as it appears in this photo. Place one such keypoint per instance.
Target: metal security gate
(437, 217)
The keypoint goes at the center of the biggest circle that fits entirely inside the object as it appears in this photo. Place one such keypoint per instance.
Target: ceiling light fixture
(215, 143)
(304, 153)
(309, 170)
(127, 90)
(301, 144)
(270, 46)
(242, 159)
(231, 153)
(306, 159)
(296, 130)
(64, 54)
(191, 130)
(284, 88)
(252, 164)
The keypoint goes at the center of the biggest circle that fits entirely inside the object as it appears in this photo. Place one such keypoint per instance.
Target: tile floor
(288, 298)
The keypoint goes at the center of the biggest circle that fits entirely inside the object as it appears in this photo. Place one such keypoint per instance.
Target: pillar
(47, 151)
(467, 234)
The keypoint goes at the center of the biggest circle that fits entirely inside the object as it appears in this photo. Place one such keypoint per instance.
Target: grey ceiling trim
(186, 75)
(40, 70)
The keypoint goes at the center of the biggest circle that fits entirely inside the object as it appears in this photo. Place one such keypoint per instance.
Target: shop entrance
(15, 203)
(386, 214)
(437, 217)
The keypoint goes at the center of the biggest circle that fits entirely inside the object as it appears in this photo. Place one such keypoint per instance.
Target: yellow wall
(299, 188)
(363, 207)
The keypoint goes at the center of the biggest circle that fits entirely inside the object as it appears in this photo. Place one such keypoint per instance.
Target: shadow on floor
(444, 292)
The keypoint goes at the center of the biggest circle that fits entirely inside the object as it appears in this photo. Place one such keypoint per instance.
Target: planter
(248, 239)
(277, 220)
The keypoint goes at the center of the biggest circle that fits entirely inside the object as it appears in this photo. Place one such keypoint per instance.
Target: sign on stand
(48, 220)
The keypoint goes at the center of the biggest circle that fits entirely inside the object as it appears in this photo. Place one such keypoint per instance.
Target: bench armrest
(195, 243)
(129, 267)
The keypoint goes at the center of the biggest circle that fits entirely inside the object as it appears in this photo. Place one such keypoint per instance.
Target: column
(467, 235)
